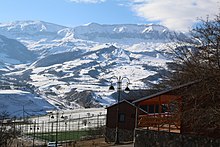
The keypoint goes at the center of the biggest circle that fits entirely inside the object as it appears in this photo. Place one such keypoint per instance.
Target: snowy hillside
(72, 67)
(83, 79)
(13, 52)
(19, 103)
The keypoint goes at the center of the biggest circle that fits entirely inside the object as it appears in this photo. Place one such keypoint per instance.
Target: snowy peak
(155, 28)
(124, 33)
(47, 38)
(31, 27)
(119, 28)
(30, 30)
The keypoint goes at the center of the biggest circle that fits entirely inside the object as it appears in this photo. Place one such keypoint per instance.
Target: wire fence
(61, 128)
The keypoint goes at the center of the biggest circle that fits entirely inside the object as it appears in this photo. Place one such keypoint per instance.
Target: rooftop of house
(134, 95)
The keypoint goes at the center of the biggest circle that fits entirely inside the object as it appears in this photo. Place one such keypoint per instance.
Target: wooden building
(159, 112)
(170, 121)
(164, 110)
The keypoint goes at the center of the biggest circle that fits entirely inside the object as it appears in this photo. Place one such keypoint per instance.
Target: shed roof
(125, 101)
(135, 94)
(163, 92)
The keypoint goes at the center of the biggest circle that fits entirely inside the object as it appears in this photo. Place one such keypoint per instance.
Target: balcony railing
(160, 121)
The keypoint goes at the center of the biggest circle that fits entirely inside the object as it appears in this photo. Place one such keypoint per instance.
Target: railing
(160, 122)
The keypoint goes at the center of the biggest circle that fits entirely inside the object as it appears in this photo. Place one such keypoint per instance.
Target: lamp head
(111, 88)
(127, 90)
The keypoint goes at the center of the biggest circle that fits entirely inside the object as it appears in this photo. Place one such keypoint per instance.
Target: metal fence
(60, 128)
(62, 124)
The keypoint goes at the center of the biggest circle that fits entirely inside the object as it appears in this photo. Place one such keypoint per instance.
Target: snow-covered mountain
(34, 30)
(22, 103)
(14, 52)
(72, 67)
(125, 33)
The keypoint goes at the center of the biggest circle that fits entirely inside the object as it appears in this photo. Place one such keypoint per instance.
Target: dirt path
(100, 142)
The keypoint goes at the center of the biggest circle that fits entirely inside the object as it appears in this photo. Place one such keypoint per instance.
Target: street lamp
(119, 89)
(57, 121)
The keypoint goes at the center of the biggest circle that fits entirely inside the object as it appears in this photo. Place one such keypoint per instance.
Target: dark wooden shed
(126, 120)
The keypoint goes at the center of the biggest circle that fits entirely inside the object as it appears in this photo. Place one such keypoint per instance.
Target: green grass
(61, 136)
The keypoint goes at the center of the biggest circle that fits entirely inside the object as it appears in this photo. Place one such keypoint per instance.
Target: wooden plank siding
(128, 110)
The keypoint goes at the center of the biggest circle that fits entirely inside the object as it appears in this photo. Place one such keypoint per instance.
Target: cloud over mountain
(178, 15)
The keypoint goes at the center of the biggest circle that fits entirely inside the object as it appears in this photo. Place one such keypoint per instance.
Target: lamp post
(57, 121)
(119, 90)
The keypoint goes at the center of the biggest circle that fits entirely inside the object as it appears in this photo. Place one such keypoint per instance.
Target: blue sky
(175, 14)
(69, 13)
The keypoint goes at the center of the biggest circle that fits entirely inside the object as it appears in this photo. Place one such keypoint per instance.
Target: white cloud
(88, 1)
(176, 14)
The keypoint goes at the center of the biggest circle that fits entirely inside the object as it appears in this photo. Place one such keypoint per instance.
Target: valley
(72, 67)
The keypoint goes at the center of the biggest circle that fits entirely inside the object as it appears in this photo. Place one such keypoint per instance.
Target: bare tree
(199, 60)
(8, 130)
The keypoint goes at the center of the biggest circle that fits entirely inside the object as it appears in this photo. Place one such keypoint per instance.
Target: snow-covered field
(66, 120)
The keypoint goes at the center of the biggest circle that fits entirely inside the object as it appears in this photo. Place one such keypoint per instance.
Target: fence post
(78, 127)
(45, 133)
(73, 130)
(69, 131)
(42, 127)
(97, 121)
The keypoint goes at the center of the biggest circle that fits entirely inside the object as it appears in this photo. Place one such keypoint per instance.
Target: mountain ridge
(75, 62)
